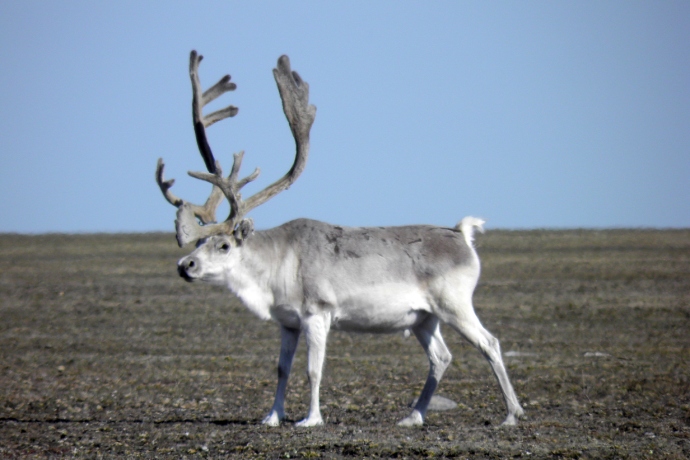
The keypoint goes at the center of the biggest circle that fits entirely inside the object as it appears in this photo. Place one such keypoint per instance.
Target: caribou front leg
(316, 329)
(288, 344)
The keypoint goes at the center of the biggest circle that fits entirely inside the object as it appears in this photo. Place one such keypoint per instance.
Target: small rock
(438, 403)
(596, 354)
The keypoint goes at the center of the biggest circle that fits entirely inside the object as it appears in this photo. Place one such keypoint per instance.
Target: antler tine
(294, 93)
(236, 165)
(206, 213)
(166, 184)
(230, 186)
(199, 100)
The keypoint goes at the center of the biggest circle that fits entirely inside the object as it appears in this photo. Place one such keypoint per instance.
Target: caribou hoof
(414, 419)
(512, 419)
(310, 421)
(272, 419)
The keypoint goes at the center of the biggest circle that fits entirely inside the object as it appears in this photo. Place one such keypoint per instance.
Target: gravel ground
(105, 352)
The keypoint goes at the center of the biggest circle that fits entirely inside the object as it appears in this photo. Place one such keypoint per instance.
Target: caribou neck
(259, 281)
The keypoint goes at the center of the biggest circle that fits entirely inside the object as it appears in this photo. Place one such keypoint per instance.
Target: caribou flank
(311, 276)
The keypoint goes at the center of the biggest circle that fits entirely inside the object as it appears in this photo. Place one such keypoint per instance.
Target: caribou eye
(225, 247)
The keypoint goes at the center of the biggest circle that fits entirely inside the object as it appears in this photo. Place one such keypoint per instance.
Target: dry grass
(104, 351)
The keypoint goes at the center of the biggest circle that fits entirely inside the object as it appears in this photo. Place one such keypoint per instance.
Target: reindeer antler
(206, 213)
(294, 93)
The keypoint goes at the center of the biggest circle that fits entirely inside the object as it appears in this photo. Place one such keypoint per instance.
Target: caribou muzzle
(188, 268)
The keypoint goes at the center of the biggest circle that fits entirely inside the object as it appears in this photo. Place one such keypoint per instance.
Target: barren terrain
(106, 352)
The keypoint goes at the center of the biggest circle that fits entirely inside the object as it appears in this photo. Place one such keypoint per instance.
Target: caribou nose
(188, 268)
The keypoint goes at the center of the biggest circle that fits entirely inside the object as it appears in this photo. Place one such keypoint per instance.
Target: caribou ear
(243, 230)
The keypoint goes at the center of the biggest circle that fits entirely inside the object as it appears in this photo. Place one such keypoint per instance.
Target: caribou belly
(379, 308)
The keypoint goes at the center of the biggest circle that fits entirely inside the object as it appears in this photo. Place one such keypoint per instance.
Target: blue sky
(529, 114)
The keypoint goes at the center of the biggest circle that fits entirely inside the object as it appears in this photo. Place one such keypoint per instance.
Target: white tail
(467, 227)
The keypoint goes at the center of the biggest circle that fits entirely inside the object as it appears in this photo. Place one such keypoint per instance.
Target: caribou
(311, 277)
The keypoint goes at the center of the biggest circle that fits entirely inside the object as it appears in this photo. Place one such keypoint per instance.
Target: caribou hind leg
(429, 335)
(465, 321)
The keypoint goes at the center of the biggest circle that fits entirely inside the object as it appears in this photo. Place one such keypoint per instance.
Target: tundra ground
(106, 352)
